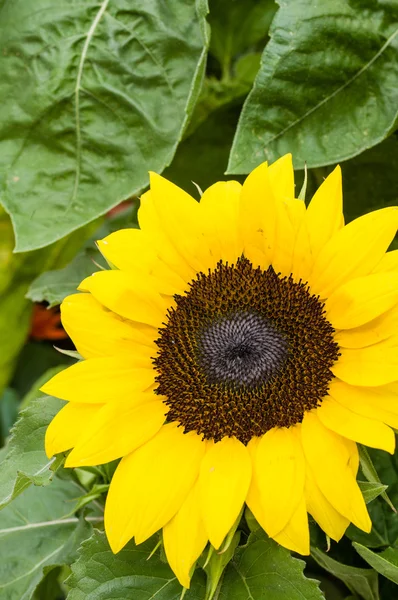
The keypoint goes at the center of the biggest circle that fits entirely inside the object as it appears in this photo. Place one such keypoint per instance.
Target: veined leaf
(36, 535)
(25, 461)
(363, 582)
(129, 574)
(385, 563)
(93, 95)
(326, 89)
(263, 570)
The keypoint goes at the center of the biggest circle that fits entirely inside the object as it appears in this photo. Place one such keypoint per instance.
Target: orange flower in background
(46, 324)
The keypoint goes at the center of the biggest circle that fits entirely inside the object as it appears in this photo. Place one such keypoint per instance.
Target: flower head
(236, 352)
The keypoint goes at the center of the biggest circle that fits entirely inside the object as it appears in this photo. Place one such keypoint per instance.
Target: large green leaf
(363, 582)
(385, 563)
(263, 570)
(327, 86)
(37, 533)
(25, 461)
(93, 95)
(128, 575)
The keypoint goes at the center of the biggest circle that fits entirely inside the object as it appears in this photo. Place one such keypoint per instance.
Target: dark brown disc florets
(244, 350)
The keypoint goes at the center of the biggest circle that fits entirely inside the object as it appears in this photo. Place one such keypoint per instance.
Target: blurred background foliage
(93, 95)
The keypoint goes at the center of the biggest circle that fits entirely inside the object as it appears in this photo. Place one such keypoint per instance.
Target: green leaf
(36, 535)
(54, 286)
(370, 472)
(263, 570)
(385, 563)
(93, 95)
(326, 89)
(128, 575)
(371, 490)
(25, 461)
(363, 582)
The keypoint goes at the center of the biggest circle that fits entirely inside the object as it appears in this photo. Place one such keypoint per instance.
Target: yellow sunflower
(235, 353)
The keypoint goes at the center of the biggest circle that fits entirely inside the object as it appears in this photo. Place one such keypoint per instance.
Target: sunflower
(235, 353)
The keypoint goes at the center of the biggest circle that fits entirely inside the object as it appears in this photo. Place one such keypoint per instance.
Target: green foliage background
(93, 94)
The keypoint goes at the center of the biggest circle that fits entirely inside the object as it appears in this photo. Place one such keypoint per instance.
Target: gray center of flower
(241, 349)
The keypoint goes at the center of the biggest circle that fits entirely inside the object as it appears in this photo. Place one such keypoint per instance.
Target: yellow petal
(378, 403)
(128, 249)
(362, 299)
(354, 250)
(185, 538)
(99, 380)
(278, 478)
(284, 241)
(371, 366)
(68, 426)
(296, 534)
(324, 212)
(258, 217)
(118, 429)
(224, 479)
(150, 485)
(181, 221)
(330, 460)
(131, 250)
(389, 262)
(152, 227)
(132, 298)
(96, 331)
(281, 177)
(327, 517)
(356, 427)
(374, 331)
(219, 207)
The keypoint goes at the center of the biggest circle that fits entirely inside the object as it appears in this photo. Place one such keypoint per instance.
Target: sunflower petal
(219, 207)
(99, 380)
(370, 333)
(150, 485)
(354, 250)
(296, 534)
(378, 403)
(132, 251)
(371, 366)
(258, 217)
(362, 299)
(152, 227)
(281, 177)
(181, 221)
(327, 517)
(284, 241)
(68, 426)
(96, 331)
(118, 429)
(278, 478)
(325, 212)
(224, 479)
(185, 538)
(131, 297)
(389, 262)
(331, 462)
(356, 427)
